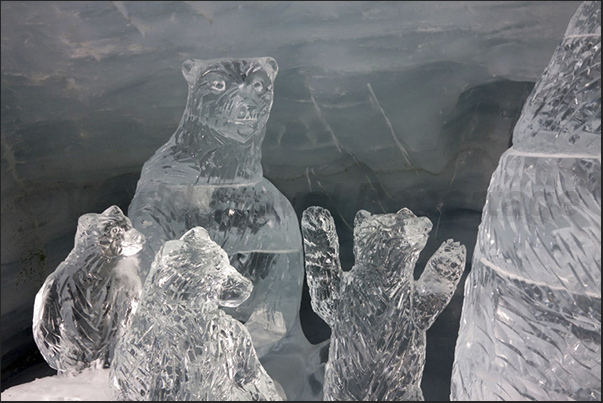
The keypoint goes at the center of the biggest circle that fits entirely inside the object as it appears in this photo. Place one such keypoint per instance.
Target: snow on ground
(91, 385)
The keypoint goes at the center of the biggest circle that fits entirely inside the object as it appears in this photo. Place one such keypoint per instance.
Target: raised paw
(433, 291)
(316, 220)
(318, 229)
(449, 261)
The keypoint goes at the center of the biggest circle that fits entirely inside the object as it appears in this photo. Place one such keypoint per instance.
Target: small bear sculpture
(180, 346)
(85, 305)
(377, 312)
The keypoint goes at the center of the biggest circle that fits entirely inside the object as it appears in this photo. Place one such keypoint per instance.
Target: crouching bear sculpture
(377, 313)
(180, 346)
(85, 305)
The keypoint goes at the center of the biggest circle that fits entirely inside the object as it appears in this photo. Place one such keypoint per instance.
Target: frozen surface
(180, 346)
(377, 312)
(563, 114)
(86, 304)
(531, 319)
(92, 384)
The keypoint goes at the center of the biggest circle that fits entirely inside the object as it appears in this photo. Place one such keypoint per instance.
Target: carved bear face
(233, 97)
(196, 268)
(110, 232)
(378, 237)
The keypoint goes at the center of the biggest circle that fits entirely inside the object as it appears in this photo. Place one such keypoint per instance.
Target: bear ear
(86, 227)
(113, 211)
(271, 67)
(405, 213)
(190, 70)
(86, 220)
(168, 250)
(361, 215)
(197, 235)
(407, 217)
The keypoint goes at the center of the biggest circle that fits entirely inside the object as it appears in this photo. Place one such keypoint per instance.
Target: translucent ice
(563, 113)
(180, 346)
(377, 312)
(85, 305)
(209, 174)
(531, 320)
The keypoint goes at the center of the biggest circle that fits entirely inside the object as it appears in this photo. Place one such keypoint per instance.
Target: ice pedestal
(377, 312)
(531, 320)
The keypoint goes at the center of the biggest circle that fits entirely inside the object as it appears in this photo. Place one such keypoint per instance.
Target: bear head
(231, 96)
(196, 268)
(109, 233)
(381, 238)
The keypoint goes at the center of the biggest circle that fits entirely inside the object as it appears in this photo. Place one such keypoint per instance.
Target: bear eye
(114, 231)
(218, 85)
(257, 85)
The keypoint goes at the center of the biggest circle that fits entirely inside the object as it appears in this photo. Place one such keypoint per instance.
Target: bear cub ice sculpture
(377, 313)
(180, 346)
(84, 306)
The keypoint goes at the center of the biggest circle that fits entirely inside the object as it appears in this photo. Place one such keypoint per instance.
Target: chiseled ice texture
(563, 113)
(377, 312)
(531, 320)
(180, 346)
(209, 174)
(86, 304)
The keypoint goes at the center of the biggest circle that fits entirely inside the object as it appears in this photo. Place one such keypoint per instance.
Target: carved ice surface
(85, 305)
(180, 346)
(377, 312)
(563, 113)
(531, 320)
(209, 174)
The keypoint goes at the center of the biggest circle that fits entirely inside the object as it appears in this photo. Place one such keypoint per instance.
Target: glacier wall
(378, 106)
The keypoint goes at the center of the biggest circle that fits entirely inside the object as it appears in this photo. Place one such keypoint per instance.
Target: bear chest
(240, 218)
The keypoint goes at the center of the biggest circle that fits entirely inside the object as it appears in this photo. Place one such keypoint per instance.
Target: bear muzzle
(235, 290)
(132, 243)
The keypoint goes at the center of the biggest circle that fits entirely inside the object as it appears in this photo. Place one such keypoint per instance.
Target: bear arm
(323, 267)
(241, 361)
(434, 289)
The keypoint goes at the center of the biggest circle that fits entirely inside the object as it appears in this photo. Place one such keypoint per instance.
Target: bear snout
(246, 111)
(132, 243)
(235, 289)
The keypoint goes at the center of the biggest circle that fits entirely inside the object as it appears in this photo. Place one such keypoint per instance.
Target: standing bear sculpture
(180, 346)
(86, 304)
(209, 174)
(377, 312)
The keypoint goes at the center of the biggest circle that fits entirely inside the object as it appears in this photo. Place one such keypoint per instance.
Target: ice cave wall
(378, 106)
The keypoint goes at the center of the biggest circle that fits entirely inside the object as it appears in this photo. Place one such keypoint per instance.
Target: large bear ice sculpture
(85, 305)
(209, 174)
(377, 313)
(180, 346)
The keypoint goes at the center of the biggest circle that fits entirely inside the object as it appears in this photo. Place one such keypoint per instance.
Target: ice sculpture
(377, 312)
(209, 174)
(180, 346)
(531, 320)
(85, 305)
